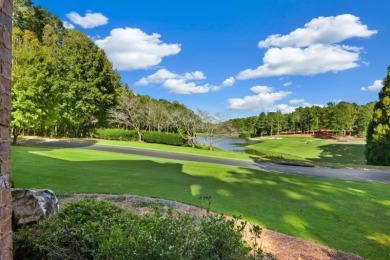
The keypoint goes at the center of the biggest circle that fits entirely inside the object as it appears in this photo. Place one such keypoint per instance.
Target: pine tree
(378, 133)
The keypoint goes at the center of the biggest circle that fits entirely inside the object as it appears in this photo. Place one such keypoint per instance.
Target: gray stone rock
(30, 205)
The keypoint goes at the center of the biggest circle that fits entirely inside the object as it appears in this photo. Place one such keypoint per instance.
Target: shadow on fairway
(57, 143)
(343, 215)
(347, 215)
(341, 153)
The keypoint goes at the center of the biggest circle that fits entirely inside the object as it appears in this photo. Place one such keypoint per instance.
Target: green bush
(163, 138)
(98, 229)
(116, 134)
(245, 135)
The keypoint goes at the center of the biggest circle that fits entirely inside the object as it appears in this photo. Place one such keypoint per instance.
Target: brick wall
(6, 7)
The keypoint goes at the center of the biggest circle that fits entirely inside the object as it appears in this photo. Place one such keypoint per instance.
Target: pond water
(228, 143)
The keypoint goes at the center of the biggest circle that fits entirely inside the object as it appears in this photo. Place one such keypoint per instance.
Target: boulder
(30, 205)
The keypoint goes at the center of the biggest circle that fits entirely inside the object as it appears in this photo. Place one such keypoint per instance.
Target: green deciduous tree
(32, 18)
(378, 134)
(88, 84)
(261, 124)
(363, 118)
(345, 117)
(63, 84)
(33, 95)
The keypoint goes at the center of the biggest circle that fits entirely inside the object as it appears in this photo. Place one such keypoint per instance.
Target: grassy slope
(319, 151)
(346, 215)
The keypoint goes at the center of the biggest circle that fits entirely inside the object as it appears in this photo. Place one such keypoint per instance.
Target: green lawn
(346, 215)
(318, 151)
(179, 149)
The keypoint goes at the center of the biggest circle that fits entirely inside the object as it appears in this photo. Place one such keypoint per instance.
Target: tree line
(142, 113)
(65, 86)
(343, 118)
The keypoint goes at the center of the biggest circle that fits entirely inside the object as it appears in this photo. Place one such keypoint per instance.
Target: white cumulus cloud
(181, 86)
(162, 75)
(376, 86)
(90, 20)
(178, 83)
(131, 48)
(321, 30)
(261, 89)
(297, 101)
(284, 108)
(287, 84)
(68, 25)
(302, 103)
(229, 82)
(263, 100)
(312, 60)
(311, 50)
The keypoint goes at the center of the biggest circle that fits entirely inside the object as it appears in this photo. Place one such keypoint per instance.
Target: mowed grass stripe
(345, 215)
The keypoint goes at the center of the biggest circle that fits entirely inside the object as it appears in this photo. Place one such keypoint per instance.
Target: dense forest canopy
(343, 118)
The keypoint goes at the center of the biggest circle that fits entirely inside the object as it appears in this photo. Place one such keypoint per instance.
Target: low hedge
(98, 229)
(245, 135)
(116, 134)
(163, 138)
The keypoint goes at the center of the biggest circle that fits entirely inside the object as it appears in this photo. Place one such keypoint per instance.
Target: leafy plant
(163, 138)
(98, 229)
(208, 199)
(116, 134)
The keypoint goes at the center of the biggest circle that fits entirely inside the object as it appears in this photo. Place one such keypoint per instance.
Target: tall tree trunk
(15, 134)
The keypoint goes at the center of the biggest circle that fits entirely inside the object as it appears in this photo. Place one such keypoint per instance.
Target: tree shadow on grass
(341, 153)
(344, 215)
(56, 143)
(341, 214)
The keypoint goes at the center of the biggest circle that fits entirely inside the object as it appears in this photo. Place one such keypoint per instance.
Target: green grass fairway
(179, 149)
(346, 215)
(320, 151)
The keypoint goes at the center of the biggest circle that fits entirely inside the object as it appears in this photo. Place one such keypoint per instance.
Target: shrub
(71, 234)
(245, 135)
(116, 134)
(98, 229)
(163, 138)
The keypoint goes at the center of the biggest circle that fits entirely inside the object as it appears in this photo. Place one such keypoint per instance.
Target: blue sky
(240, 58)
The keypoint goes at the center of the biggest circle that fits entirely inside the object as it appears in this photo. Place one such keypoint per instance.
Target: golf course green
(345, 215)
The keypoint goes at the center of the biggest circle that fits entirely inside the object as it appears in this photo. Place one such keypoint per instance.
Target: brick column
(6, 7)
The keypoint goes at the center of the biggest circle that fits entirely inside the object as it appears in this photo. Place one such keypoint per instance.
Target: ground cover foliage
(98, 229)
(351, 216)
